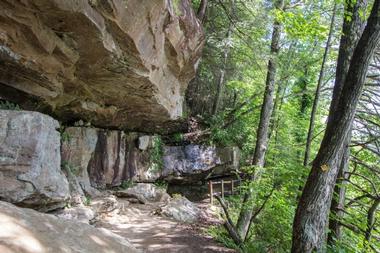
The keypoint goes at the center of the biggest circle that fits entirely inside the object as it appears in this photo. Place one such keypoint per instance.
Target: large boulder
(105, 205)
(193, 163)
(144, 193)
(181, 209)
(82, 214)
(27, 231)
(30, 171)
(115, 63)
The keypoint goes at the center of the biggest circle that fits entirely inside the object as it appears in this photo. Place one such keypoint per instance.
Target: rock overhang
(115, 63)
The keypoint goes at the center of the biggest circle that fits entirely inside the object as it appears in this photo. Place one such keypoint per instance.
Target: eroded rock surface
(104, 205)
(114, 63)
(30, 171)
(192, 163)
(78, 146)
(99, 158)
(79, 213)
(144, 193)
(181, 209)
(104, 159)
(28, 231)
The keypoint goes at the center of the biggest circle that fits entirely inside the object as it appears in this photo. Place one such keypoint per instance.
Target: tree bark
(318, 89)
(338, 200)
(351, 32)
(201, 13)
(267, 106)
(371, 215)
(246, 212)
(309, 225)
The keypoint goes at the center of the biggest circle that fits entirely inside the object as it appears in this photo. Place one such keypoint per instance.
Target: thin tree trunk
(371, 216)
(277, 123)
(303, 83)
(276, 106)
(279, 92)
(246, 212)
(318, 90)
(201, 13)
(351, 32)
(227, 46)
(309, 225)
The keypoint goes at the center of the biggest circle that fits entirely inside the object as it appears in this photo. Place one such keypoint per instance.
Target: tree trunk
(371, 215)
(263, 128)
(352, 30)
(318, 90)
(309, 225)
(281, 87)
(220, 86)
(338, 200)
(267, 106)
(201, 13)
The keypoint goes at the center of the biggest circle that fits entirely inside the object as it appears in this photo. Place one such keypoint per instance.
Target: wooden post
(222, 189)
(211, 192)
(232, 187)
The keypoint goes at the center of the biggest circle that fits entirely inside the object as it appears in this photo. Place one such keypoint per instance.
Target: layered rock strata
(114, 63)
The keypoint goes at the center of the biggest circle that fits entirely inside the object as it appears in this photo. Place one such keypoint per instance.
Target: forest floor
(153, 233)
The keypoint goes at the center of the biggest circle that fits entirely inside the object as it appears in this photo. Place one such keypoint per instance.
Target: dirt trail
(153, 233)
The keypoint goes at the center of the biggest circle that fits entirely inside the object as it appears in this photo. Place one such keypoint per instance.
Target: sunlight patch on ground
(21, 238)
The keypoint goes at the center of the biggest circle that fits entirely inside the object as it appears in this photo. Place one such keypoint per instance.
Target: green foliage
(65, 137)
(87, 201)
(127, 184)
(161, 184)
(176, 196)
(279, 209)
(303, 39)
(156, 154)
(301, 26)
(6, 105)
(178, 137)
(70, 167)
(220, 234)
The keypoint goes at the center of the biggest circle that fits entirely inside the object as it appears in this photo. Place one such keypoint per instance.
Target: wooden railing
(227, 187)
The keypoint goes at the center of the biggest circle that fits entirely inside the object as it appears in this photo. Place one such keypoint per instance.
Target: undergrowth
(6, 105)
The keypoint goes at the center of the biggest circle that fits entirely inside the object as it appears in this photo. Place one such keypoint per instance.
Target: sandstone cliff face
(30, 161)
(106, 158)
(32, 153)
(99, 158)
(115, 63)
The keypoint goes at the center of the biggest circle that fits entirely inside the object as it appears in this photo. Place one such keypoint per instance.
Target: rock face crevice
(115, 63)
(105, 158)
